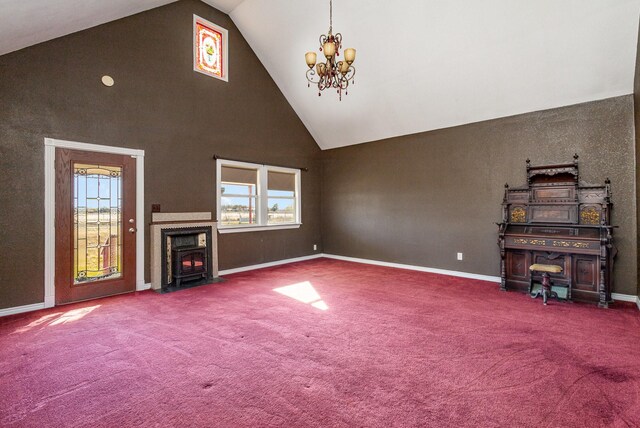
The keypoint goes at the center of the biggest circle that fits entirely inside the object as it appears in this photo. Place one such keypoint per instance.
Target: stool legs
(545, 291)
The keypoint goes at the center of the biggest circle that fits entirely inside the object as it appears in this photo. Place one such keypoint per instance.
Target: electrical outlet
(315, 247)
(459, 256)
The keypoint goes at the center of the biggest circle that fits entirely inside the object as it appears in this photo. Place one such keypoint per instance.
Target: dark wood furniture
(557, 220)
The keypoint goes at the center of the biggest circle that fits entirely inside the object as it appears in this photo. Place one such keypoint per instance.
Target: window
(210, 47)
(281, 189)
(239, 193)
(257, 197)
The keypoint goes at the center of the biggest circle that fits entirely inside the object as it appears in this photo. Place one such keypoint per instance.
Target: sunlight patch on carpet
(36, 323)
(305, 293)
(74, 315)
(58, 318)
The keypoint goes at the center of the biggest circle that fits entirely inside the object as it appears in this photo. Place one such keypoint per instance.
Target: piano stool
(545, 290)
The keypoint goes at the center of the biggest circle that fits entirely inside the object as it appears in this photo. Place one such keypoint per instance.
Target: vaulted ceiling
(28, 22)
(421, 65)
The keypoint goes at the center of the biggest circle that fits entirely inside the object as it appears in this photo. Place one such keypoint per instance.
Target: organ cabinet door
(517, 265)
(585, 274)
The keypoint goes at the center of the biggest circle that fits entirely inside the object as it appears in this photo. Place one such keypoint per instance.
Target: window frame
(262, 198)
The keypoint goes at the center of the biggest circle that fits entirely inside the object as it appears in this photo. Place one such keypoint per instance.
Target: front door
(95, 225)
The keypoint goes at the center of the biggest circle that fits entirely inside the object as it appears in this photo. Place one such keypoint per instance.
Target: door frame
(50, 145)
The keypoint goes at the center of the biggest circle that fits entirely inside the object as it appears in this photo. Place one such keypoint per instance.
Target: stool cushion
(545, 268)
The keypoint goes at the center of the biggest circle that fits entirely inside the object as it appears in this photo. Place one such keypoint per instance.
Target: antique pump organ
(557, 220)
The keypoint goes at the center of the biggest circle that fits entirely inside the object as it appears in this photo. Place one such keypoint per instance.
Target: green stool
(545, 291)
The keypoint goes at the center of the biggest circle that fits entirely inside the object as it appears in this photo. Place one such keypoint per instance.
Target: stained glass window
(97, 222)
(209, 49)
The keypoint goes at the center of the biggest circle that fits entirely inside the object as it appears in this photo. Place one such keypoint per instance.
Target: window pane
(281, 210)
(238, 210)
(281, 193)
(238, 189)
(97, 209)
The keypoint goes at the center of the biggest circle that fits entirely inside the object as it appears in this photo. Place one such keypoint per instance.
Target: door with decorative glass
(95, 225)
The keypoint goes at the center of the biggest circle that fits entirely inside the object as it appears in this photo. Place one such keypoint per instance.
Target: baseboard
(43, 305)
(417, 268)
(624, 297)
(615, 296)
(21, 309)
(143, 286)
(270, 264)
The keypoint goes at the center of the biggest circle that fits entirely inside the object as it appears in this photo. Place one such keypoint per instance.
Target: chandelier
(331, 74)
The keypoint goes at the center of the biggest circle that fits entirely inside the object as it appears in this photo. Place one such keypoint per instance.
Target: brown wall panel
(421, 198)
(636, 112)
(158, 104)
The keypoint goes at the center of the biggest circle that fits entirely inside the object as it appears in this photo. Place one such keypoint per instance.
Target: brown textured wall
(159, 104)
(636, 112)
(421, 198)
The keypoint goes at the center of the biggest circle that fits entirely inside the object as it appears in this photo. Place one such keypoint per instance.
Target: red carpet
(363, 346)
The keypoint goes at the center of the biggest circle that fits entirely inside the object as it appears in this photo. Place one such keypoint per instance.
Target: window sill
(240, 229)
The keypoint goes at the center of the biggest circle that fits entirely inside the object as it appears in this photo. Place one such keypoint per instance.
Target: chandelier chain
(330, 16)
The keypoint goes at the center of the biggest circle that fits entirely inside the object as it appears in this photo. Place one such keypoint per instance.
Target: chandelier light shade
(333, 73)
(310, 57)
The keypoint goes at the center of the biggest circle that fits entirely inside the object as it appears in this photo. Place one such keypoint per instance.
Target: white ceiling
(424, 65)
(224, 5)
(421, 65)
(28, 22)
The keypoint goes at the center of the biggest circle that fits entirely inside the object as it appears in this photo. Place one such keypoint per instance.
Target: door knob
(132, 229)
(131, 221)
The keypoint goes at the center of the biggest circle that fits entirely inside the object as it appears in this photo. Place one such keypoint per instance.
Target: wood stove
(189, 263)
(186, 258)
